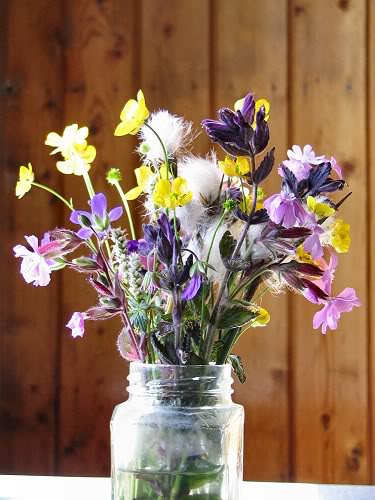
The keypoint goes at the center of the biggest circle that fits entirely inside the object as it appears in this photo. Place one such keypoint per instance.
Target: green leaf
(235, 315)
(238, 367)
(198, 472)
(227, 245)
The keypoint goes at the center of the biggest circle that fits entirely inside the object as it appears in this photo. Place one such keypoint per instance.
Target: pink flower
(34, 268)
(335, 167)
(325, 282)
(285, 209)
(77, 324)
(300, 161)
(331, 312)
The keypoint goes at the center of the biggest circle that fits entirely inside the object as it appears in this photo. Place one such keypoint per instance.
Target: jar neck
(188, 385)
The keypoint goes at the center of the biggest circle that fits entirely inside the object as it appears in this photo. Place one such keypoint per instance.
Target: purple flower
(325, 282)
(98, 220)
(285, 209)
(312, 244)
(234, 129)
(35, 268)
(300, 161)
(331, 312)
(193, 286)
(77, 324)
(132, 246)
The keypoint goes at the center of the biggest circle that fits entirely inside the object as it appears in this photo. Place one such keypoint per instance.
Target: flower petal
(115, 214)
(99, 205)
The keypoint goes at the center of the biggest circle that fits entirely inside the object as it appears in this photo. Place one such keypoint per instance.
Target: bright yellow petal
(143, 175)
(243, 165)
(266, 104)
(125, 128)
(228, 166)
(22, 188)
(89, 154)
(129, 110)
(163, 172)
(262, 319)
(133, 193)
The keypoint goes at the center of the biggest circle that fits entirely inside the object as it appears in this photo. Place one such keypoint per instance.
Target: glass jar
(179, 435)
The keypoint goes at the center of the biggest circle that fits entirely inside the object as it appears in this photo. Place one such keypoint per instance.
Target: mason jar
(178, 436)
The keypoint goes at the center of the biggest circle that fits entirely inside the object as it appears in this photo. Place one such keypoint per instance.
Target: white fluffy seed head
(203, 179)
(174, 131)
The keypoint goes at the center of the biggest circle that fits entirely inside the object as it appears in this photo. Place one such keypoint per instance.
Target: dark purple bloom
(98, 220)
(132, 246)
(235, 131)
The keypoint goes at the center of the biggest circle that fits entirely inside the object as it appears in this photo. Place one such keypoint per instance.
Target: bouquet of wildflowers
(213, 243)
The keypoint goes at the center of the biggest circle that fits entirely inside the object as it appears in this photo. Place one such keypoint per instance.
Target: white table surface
(83, 488)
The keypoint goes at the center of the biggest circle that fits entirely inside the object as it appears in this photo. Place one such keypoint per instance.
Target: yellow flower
(260, 102)
(73, 139)
(262, 319)
(303, 256)
(26, 179)
(319, 209)
(246, 203)
(171, 195)
(133, 116)
(235, 168)
(78, 163)
(340, 236)
(143, 175)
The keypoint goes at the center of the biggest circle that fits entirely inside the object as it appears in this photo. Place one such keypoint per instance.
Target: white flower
(203, 178)
(174, 131)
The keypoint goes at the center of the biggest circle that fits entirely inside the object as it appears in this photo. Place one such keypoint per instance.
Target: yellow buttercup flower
(259, 103)
(25, 181)
(262, 319)
(340, 236)
(72, 140)
(78, 163)
(171, 194)
(303, 256)
(246, 203)
(319, 209)
(235, 168)
(133, 116)
(143, 175)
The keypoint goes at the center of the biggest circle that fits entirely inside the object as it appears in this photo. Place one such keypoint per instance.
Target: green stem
(163, 147)
(204, 290)
(127, 208)
(41, 186)
(89, 185)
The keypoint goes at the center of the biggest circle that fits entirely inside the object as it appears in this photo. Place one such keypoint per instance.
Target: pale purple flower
(312, 244)
(285, 209)
(325, 282)
(34, 268)
(300, 161)
(77, 324)
(331, 312)
(99, 218)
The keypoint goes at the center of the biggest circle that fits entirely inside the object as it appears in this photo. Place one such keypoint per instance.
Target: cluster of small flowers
(213, 237)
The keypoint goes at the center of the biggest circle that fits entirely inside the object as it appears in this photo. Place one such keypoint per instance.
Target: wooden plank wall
(309, 398)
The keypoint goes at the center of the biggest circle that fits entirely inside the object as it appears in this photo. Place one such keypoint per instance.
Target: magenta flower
(77, 324)
(35, 268)
(325, 282)
(285, 209)
(98, 220)
(300, 161)
(331, 312)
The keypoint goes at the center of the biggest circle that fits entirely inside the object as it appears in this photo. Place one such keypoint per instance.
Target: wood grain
(100, 78)
(254, 58)
(330, 372)
(31, 100)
